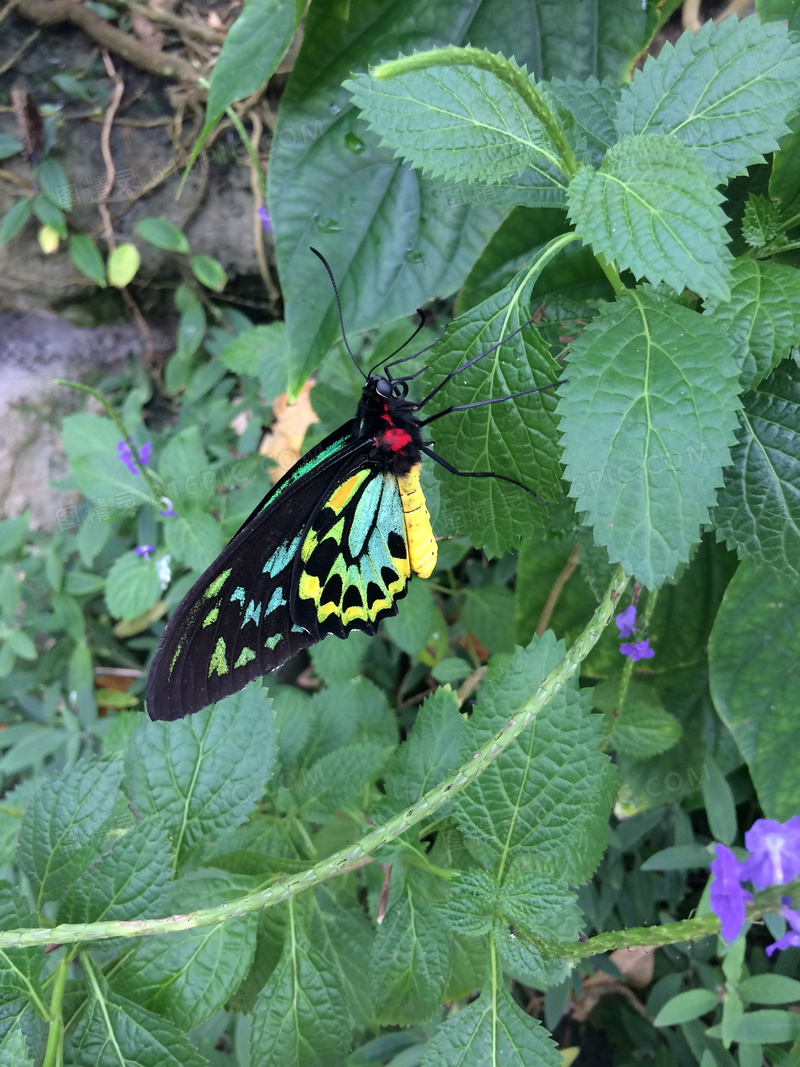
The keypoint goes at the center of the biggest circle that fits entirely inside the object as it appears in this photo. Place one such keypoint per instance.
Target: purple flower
(266, 221)
(169, 512)
(126, 456)
(641, 650)
(144, 550)
(774, 849)
(626, 621)
(791, 939)
(728, 899)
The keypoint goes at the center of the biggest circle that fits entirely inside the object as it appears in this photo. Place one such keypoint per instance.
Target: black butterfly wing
(333, 517)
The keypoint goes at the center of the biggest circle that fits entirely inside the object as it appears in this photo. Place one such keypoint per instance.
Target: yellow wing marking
(422, 548)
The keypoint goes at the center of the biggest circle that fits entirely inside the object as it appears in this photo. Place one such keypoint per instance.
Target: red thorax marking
(395, 439)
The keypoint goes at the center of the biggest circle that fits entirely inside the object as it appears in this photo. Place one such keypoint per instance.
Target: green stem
(611, 718)
(54, 1052)
(148, 475)
(293, 884)
(239, 127)
(452, 56)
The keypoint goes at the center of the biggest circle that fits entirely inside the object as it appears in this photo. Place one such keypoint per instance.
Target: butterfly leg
(478, 474)
(491, 400)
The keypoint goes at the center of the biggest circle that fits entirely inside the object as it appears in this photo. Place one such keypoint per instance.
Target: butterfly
(329, 550)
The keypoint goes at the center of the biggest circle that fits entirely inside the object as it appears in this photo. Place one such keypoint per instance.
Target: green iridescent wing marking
(325, 552)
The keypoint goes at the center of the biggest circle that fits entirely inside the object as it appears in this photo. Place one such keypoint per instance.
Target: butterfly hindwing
(324, 553)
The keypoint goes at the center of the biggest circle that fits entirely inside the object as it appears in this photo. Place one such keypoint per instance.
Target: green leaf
(254, 46)
(719, 802)
(643, 728)
(677, 858)
(552, 806)
(687, 1006)
(196, 775)
(53, 182)
(459, 123)
(300, 1018)
(592, 106)
(13, 533)
(654, 208)
(409, 962)
(263, 352)
(431, 751)
(15, 218)
(754, 655)
(769, 989)
(335, 779)
(20, 968)
(761, 221)
(132, 587)
(86, 256)
(91, 445)
(344, 936)
(516, 439)
(209, 272)
(114, 1031)
(49, 214)
(194, 537)
(188, 975)
(122, 265)
(9, 146)
(725, 90)
(163, 234)
(469, 906)
(57, 838)
(128, 882)
(647, 419)
(14, 1050)
(489, 613)
(758, 510)
(762, 317)
(411, 627)
(493, 1029)
(767, 1027)
(338, 661)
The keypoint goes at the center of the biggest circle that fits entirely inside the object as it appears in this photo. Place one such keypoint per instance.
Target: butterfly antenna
(380, 362)
(327, 267)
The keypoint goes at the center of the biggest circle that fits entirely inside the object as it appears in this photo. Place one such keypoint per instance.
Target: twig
(555, 592)
(169, 18)
(8, 9)
(735, 7)
(13, 59)
(690, 15)
(51, 12)
(470, 683)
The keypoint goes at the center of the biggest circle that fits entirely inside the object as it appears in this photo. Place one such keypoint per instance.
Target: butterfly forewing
(333, 521)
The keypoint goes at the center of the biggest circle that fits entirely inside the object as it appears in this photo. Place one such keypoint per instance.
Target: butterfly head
(389, 421)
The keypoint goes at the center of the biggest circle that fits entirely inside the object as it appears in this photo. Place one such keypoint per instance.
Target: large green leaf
(592, 107)
(300, 1018)
(647, 417)
(114, 1031)
(725, 90)
(91, 445)
(194, 536)
(493, 1029)
(431, 751)
(128, 882)
(62, 828)
(187, 976)
(203, 772)
(547, 795)
(335, 779)
(515, 439)
(459, 124)
(409, 962)
(19, 967)
(132, 587)
(344, 936)
(758, 510)
(762, 317)
(392, 239)
(754, 656)
(654, 208)
(14, 1050)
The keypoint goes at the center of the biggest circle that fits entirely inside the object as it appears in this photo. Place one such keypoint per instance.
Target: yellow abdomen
(422, 549)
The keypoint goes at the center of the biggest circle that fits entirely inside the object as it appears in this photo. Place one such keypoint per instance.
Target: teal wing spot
(281, 556)
(244, 657)
(217, 584)
(271, 642)
(253, 613)
(238, 594)
(277, 600)
(298, 629)
(364, 516)
(218, 662)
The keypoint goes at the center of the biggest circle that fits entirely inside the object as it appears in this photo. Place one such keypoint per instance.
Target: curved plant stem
(293, 884)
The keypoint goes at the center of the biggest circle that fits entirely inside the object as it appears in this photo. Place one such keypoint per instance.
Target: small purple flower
(126, 456)
(626, 621)
(169, 512)
(774, 849)
(641, 650)
(144, 550)
(791, 939)
(727, 897)
(266, 221)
